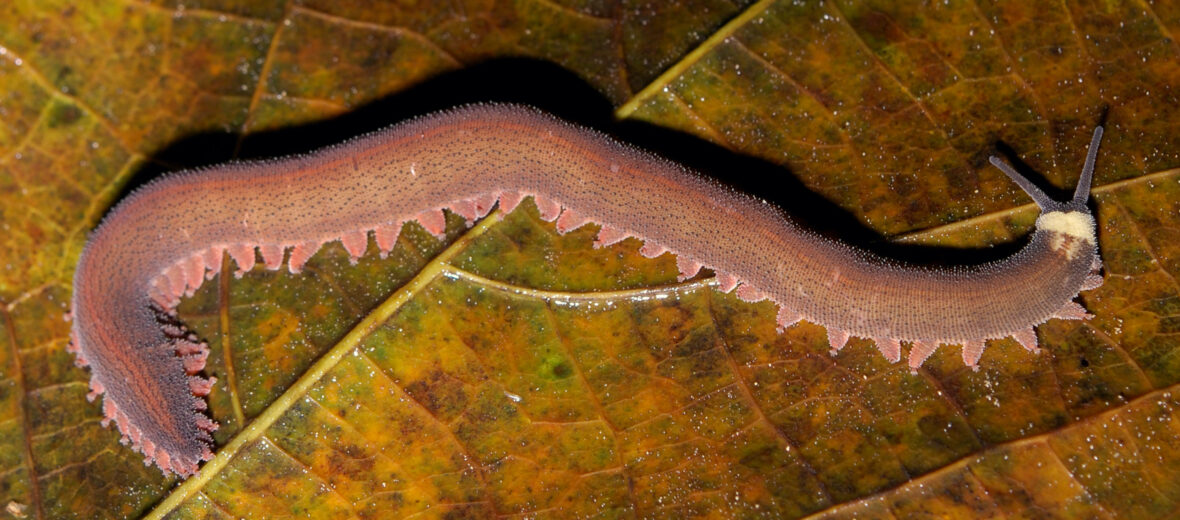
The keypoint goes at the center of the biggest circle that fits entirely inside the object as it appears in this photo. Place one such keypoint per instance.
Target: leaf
(512, 370)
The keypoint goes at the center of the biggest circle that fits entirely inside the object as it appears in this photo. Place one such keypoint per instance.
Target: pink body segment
(163, 241)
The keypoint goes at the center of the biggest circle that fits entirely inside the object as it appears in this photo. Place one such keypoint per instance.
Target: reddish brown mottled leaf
(513, 370)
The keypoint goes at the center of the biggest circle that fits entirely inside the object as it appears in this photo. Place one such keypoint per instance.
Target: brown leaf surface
(510, 370)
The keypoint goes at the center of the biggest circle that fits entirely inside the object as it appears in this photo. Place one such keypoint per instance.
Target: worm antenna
(1082, 193)
(1038, 196)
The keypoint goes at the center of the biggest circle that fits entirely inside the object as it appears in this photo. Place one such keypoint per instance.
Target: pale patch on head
(1068, 224)
(1073, 223)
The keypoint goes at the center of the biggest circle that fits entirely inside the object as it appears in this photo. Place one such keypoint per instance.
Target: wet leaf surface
(510, 370)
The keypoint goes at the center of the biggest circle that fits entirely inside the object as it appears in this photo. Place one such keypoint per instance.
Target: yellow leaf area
(512, 371)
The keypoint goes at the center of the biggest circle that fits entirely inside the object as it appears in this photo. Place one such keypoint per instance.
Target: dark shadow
(539, 84)
(563, 94)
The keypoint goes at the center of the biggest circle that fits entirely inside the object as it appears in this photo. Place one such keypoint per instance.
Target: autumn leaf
(511, 370)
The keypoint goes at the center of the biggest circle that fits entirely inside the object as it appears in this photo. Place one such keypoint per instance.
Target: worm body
(164, 240)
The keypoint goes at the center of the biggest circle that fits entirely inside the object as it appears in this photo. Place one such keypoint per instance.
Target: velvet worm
(166, 238)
